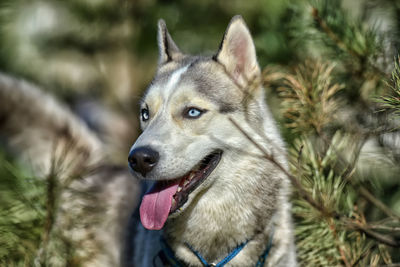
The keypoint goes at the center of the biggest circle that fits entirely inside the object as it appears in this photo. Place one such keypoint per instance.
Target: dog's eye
(144, 114)
(193, 113)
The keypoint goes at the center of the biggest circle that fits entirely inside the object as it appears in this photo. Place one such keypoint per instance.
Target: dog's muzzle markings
(167, 196)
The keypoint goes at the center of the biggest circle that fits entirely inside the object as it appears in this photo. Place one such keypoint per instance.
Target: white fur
(173, 81)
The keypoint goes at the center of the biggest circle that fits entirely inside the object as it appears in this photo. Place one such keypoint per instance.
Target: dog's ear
(237, 52)
(168, 50)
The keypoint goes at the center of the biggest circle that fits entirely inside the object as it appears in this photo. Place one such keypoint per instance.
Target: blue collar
(167, 256)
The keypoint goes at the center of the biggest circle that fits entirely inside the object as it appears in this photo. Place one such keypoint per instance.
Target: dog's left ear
(237, 52)
(168, 50)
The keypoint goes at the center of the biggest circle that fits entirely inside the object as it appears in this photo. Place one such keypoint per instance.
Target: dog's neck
(218, 221)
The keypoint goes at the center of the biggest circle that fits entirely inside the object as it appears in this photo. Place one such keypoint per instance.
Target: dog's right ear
(168, 51)
(237, 52)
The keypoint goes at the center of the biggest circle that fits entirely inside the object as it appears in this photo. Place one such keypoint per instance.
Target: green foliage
(338, 243)
(317, 176)
(332, 211)
(338, 205)
(360, 50)
(346, 36)
(22, 213)
(308, 97)
(34, 229)
(392, 102)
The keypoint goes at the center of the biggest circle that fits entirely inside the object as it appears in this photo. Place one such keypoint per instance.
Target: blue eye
(145, 114)
(193, 113)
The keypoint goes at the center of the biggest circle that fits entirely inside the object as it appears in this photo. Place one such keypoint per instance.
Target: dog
(205, 129)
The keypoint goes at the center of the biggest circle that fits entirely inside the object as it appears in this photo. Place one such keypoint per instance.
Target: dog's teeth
(179, 189)
(186, 182)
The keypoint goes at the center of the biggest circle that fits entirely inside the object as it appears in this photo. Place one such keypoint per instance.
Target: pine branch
(330, 33)
(384, 228)
(392, 102)
(338, 245)
(351, 169)
(306, 196)
(309, 101)
(350, 37)
(384, 239)
(371, 198)
(21, 214)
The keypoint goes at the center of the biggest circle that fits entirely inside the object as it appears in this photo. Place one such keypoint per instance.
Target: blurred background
(104, 52)
(331, 80)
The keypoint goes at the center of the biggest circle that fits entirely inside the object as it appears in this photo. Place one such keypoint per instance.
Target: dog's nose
(143, 159)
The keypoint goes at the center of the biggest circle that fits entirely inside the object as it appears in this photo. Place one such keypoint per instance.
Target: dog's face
(186, 133)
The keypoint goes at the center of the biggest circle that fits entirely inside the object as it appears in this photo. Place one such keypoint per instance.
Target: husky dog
(216, 197)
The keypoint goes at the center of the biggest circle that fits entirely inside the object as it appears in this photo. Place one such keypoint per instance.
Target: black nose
(143, 159)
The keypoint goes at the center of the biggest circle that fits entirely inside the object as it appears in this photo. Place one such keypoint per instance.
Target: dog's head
(186, 131)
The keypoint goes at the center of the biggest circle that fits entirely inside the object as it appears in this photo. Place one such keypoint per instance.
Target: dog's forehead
(203, 75)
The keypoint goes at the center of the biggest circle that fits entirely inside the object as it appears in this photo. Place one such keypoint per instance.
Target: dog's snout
(143, 159)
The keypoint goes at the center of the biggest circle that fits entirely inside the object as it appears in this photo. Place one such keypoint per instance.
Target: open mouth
(194, 178)
(167, 197)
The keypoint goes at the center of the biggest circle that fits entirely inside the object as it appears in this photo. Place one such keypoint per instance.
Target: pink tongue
(156, 205)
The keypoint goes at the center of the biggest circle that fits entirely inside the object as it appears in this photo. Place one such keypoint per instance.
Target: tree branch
(384, 239)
